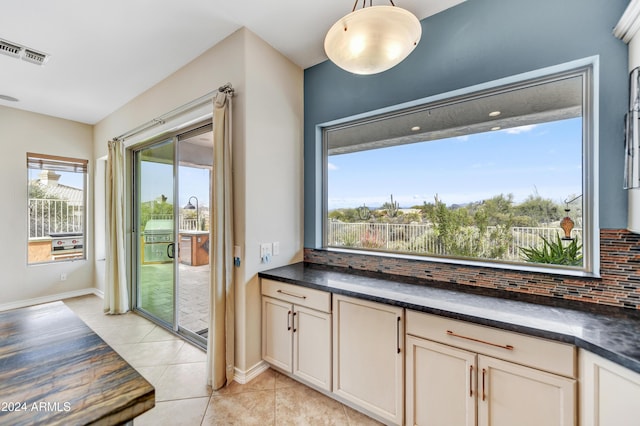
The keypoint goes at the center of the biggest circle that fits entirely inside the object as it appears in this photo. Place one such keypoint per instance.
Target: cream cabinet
(296, 331)
(609, 393)
(368, 357)
(464, 374)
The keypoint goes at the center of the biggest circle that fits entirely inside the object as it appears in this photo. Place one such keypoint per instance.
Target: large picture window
(56, 208)
(502, 175)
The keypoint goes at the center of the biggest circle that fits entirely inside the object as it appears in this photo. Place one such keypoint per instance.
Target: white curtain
(116, 296)
(220, 345)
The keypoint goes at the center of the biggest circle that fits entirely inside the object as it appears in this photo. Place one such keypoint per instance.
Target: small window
(502, 176)
(56, 208)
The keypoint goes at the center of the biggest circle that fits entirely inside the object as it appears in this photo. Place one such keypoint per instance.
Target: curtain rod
(227, 88)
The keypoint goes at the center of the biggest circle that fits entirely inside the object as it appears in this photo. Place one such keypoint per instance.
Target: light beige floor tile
(152, 374)
(103, 320)
(90, 304)
(190, 353)
(301, 405)
(247, 408)
(148, 354)
(158, 334)
(184, 412)
(283, 381)
(180, 381)
(265, 381)
(114, 334)
(356, 418)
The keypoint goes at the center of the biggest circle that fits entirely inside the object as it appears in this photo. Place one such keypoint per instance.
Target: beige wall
(22, 132)
(267, 156)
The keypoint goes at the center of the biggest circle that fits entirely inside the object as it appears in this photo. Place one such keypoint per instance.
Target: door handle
(171, 250)
(289, 321)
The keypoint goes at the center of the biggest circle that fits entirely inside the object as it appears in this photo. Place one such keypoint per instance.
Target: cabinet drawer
(543, 354)
(302, 296)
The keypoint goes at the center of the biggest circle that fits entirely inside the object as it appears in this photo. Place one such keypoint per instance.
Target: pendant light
(372, 39)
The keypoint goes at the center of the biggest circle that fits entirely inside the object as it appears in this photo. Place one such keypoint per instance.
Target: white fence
(421, 238)
(47, 216)
(186, 224)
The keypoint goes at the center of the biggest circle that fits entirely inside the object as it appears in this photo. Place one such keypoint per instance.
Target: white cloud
(463, 138)
(521, 129)
(332, 166)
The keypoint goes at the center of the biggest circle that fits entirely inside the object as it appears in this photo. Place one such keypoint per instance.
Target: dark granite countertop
(614, 337)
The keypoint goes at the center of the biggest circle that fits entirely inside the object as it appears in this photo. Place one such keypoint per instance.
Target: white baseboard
(51, 298)
(243, 377)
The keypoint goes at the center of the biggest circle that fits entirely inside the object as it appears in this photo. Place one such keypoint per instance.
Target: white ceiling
(106, 52)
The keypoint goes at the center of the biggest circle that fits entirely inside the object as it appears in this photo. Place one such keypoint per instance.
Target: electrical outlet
(276, 248)
(63, 276)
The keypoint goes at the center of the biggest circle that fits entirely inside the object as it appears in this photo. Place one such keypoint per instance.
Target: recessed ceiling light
(496, 128)
(8, 98)
(494, 113)
(415, 128)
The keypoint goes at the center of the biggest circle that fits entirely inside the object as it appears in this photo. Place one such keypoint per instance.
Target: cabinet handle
(291, 294)
(470, 380)
(507, 347)
(398, 334)
(289, 321)
(484, 372)
(294, 322)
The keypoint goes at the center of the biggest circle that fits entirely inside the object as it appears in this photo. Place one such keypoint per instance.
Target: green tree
(539, 210)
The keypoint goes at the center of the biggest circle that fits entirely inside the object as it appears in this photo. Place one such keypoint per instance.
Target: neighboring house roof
(70, 194)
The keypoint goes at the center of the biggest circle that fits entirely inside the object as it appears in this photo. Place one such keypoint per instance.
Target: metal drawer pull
(289, 321)
(471, 380)
(291, 294)
(484, 395)
(507, 347)
(294, 322)
(398, 334)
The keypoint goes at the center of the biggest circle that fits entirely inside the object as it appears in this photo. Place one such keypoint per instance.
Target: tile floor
(177, 370)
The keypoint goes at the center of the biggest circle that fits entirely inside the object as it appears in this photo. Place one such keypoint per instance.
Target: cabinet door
(368, 359)
(440, 384)
(511, 394)
(609, 393)
(277, 333)
(312, 346)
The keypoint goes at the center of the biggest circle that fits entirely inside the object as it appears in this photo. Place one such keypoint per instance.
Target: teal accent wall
(476, 42)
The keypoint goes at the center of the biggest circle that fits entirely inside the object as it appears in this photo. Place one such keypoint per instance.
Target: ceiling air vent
(34, 57)
(17, 51)
(10, 48)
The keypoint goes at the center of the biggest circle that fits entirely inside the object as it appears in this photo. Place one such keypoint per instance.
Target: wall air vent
(34, 57)
(18, 51)
(10, 48)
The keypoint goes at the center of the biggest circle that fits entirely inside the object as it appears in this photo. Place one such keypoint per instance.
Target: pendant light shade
(372, 39)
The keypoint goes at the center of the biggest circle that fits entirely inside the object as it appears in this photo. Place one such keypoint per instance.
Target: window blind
(56, 163)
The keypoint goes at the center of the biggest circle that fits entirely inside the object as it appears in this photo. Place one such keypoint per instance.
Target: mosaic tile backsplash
(619, 285)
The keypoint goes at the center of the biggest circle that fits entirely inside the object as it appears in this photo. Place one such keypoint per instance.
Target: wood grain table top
(55, 370)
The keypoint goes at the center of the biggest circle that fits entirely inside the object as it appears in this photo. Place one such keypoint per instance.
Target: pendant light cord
(364, 4)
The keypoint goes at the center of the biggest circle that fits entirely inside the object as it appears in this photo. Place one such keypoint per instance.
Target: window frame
(59, 163)
(588, 68)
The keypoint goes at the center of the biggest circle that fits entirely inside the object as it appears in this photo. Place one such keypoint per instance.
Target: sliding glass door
(172, 192)
(155, 277)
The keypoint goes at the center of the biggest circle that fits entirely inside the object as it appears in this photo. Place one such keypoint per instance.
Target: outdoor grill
(65, 242)
(156, 240)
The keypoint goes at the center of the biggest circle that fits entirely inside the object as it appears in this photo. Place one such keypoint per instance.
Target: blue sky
(158, 180)
(546, 158)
